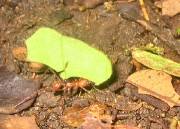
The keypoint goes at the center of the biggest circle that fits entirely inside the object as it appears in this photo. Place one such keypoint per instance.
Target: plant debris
(148, 98)
(92, 122)
(19, 53)
(16, 93)
(174, 123)
(157, 84)
(17, 122)
(94, 116)
(156, 62)
(169, 7)
(154, 49)
(143, 8)
(96, 110)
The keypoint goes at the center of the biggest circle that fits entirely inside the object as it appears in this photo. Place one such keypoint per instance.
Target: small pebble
(138, 116)
(129, 11)
(59, 16)
(81, 103)
(48, 99)
(163, 115)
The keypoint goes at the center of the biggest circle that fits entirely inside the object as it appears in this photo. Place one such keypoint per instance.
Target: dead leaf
(92, 117)
(174, 123)
(76, 116)
(36, 67)
(178, 125)
(138, 66)
(92, 122)
(16, 122)
(169, 7)
(16, 93)
(145, 24)
(157, 84)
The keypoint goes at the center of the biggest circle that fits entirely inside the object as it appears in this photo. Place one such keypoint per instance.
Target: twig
(145, 14)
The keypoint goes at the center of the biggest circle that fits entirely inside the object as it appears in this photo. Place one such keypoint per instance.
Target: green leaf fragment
(178, 31)
(157, 62)
(154, 49)
(44, 47)
(69, 56)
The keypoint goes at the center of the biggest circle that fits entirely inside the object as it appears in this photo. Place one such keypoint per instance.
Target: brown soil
(113, 32)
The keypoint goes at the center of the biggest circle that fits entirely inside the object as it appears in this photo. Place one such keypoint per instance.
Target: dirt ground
(113, 32)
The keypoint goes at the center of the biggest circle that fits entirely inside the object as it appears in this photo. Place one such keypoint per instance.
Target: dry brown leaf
(169, 7)
(92, 117)
(16, 122)
(36, 67)
(157, 84)
(19, 53)
(173, 123)
(16, 93)
(92, 122)
(76, 116)
(178, 125)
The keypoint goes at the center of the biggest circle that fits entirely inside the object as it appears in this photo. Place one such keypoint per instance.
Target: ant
(71, 85)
